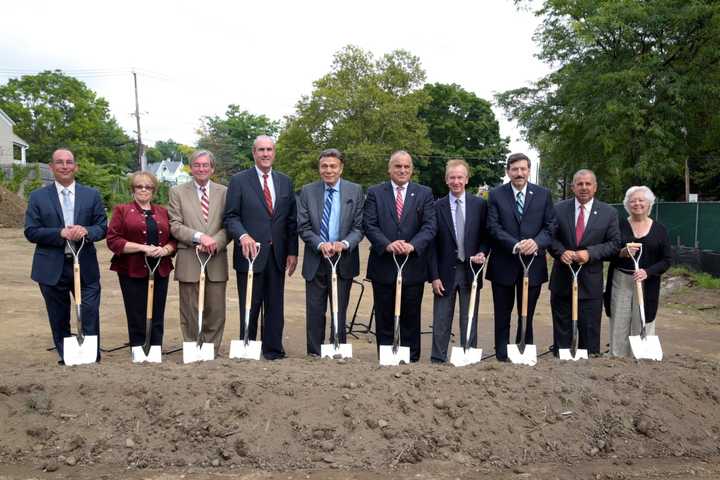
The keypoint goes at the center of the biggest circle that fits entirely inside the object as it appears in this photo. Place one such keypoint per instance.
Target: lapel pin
(412, 194)
(532, 193)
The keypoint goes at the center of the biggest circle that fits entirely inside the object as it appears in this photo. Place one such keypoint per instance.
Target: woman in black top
(621, 303)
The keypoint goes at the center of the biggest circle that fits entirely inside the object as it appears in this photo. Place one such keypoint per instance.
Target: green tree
(230, 138)
(460, 124)
(364, 106)
(635, 94)
(52, 110)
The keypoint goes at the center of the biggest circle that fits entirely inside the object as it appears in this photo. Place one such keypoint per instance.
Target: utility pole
(137, 118)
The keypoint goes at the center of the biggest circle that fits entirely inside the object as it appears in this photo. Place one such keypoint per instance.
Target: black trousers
(504, 298)
(134, 292)
(57, 303)
(268, 292)
(317, 292)
(589, 319)
(410, 306)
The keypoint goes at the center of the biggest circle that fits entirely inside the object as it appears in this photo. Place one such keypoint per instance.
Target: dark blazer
(382, 227)
(442, 253)
(43, 223)
(245, 212)
(507, 228)
(310, 208)
(601, 239)
(129, 224)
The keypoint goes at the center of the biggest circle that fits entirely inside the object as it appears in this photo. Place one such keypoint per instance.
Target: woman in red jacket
(139, 237)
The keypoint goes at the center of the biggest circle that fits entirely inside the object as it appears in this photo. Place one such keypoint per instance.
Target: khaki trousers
(213, 312)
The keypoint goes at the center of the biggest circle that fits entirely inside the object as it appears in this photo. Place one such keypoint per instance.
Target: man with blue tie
(66, 211)
(330, 223)
(521, 220)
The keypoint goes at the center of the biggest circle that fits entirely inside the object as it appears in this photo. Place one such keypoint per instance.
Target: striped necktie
(204, 203)
(327, 210)
(399, 202)
(519, 203)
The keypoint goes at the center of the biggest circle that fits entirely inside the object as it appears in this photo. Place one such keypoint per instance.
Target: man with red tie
(587, 233)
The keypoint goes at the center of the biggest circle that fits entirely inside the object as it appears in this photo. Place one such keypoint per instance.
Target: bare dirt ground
(303, 418)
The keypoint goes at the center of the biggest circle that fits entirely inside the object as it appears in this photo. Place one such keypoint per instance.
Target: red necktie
(399, 202)
(580, 225)
(266, 193)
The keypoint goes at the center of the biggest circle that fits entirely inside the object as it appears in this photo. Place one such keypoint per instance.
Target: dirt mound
(12, 209)
(309, 414)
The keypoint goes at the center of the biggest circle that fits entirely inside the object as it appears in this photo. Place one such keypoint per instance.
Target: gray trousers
(317, 292)
(213, 311)
(444, 311)
(624, 315)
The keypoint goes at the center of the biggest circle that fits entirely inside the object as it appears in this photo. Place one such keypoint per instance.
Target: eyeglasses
(149, 188)
(201, 166)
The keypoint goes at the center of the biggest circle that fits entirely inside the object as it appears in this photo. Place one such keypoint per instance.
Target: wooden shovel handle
(248, 290)
(150, 295)
(398, 294)
(526, 286)
(575, 300)
(76, 283)
(201, 293)
(334, 293)
(471, 309)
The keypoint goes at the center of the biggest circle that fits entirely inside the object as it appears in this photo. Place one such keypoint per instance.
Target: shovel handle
(249, 289)
(76, 282)
(574, 300)
(398, 295)
(201, 293)
(471, 311)
(334, 293)
(641, 301)
(150, 296)
(524, 306)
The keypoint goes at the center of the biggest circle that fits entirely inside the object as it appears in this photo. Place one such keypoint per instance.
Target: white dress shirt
(588, 209)
(271, 185)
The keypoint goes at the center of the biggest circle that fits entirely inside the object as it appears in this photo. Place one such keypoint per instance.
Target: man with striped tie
(330, 223)
(196, 220)
(521, 220)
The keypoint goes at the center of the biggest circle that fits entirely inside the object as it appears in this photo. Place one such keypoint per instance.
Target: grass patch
(703, 280)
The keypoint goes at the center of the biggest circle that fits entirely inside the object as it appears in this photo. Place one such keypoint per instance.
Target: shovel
(246, 348)
(80, 349)
(465, 355)
(395, 354)
(335, 349)
(521, 353)
(199, 351)
(146, 352)
(573, 353)
(643, 345)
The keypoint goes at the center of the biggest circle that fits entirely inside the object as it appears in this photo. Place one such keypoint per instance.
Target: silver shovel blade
(153, 356)
(193, 353)
(251, 351)
(461, 357)
(328, 350)
(390, 358)
(76, 354)
(648, 348)
(566, 354)
(528, 357)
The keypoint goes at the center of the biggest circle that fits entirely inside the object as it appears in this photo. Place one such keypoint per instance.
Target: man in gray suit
(329, 222)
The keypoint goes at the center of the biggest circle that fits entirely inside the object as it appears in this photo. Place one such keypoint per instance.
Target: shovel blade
(76, 354)
(251, 351)
(528, 357)
(328, 350)
(390, 358)
(566, 354)
(461, 357)
(153, 356)
(192, 353)
(648, 349)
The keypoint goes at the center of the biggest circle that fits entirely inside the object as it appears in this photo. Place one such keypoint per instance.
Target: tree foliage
(364, 106)
(461, 125)
(634, 94)
(52, 110)
(168, 149)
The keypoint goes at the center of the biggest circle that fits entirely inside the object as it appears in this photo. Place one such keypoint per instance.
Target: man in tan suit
(196, 221)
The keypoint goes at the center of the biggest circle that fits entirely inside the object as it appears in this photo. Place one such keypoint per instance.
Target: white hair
(263, 137)
(649, 196)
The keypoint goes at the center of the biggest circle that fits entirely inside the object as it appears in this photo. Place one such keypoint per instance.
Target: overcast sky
(195, 58)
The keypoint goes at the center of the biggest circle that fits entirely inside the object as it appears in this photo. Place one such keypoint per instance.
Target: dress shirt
(404, 190)
(334, 223)
(197, 235)
(588, 209)
(71, 189)
(453, 210)
(515, 192)
(271, 186)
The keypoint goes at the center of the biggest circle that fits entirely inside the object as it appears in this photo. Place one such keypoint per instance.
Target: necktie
(327, 210)
(580, 226)
(204, 203)
(67, 208)
(519, 203)
(266, 194)
(460, 229)
(399, 202)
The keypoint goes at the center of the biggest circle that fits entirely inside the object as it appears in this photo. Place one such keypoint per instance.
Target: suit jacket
(245, 212)
(310, 209)
(507, 227)
(43, 223)
(601, 239)
(382, 227)
(186, 219)
(129, 224)
(442, 254)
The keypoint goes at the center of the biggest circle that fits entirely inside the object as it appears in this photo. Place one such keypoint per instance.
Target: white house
(170, 172)
(12, 147)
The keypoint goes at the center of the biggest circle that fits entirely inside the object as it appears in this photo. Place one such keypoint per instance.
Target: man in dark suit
(399, 218)
(587, 234)
(66, 211)
(521, 220)
(461, 238)
(260, 207)
(330, 223)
